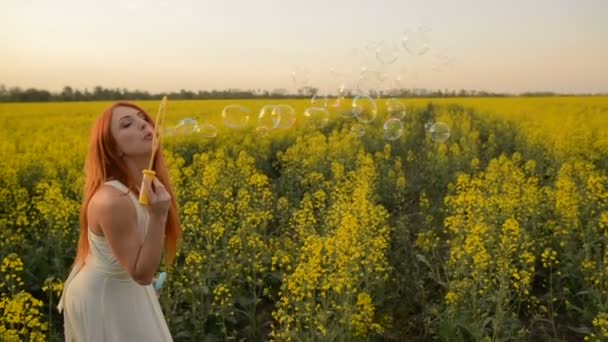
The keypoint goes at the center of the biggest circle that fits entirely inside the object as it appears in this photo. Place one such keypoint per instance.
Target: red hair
(103, 162)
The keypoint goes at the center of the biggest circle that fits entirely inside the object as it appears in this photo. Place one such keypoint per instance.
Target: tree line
(99, 93)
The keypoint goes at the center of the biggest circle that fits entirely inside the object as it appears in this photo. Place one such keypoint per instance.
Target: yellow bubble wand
(149, 173)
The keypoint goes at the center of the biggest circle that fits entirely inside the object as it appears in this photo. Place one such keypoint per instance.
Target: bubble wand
(149, 173)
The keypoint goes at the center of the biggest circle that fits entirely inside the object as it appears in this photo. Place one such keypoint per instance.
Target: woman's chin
(146, 153)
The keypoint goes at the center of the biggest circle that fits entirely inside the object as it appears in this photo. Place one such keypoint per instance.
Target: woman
(109, 295)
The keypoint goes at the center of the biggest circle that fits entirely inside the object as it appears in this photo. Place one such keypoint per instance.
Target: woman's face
(132, 133)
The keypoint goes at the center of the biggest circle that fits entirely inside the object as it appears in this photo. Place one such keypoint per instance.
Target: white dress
(100, 300)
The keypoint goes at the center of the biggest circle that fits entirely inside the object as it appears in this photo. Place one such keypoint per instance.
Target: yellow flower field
(316, 233)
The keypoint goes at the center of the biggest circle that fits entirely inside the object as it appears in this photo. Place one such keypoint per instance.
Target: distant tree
(186, 94)
(3, 93)
(308, 91)
(99, 93)
(67, 94)
(278, 92)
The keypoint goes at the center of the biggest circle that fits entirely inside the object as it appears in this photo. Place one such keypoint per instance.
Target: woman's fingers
(157, 183)
(161, 191)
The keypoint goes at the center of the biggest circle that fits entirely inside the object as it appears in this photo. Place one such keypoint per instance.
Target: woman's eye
(126, 125)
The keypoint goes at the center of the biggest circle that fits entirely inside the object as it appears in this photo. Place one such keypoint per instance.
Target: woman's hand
(159, 199)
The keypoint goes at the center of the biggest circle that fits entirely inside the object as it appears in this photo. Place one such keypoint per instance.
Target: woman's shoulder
(107, 201)
(109, 197)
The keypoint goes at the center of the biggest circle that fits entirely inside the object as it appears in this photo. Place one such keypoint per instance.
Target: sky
(504, 46)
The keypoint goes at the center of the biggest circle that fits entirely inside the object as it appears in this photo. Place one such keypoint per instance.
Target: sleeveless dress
(100, 300)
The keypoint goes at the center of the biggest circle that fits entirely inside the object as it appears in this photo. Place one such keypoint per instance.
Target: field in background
(315, 233)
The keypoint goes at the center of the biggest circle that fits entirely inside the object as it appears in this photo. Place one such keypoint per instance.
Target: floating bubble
(235, 116)
(300, 76)
(367, 53)
(339, 106)
(267, 118)
(364, 109)
(342, 90)
(317, 116)
(387, 52)
(186, 126)
(338, 79)
(358, 130)
(393, 87)
(397, 82)
(319, 101)
(333, 72)
(443, 62)
(370, 82)
(393, 129)
(378, 75)
(207, 130)
(416, 41)
(395, 109)
(287, 115)
(367, 86)
(167, 132)
(371, 46)
(440, 132)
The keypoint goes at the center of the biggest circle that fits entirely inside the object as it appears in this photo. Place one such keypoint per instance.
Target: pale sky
(510, 46)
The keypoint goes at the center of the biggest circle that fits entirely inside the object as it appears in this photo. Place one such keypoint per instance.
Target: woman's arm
(117, 218)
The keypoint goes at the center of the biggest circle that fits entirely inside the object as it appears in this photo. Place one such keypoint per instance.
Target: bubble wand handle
(149, 173)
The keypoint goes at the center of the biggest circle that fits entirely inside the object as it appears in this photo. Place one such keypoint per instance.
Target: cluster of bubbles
(380, 66)
(363, 109)
(365, 90)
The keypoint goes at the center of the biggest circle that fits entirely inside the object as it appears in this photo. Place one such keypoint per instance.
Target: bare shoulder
(112, 213)
(108, 201)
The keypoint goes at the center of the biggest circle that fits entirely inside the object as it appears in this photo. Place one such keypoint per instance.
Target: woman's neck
(136, 165)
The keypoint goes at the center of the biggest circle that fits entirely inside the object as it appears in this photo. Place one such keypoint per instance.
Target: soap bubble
(319, 101)
(416, 41)
(443, 62)
(235, 116)
(167, 131)
(267, 118)
(370, 82)
(340, 106)
(364, 109)
(337, 76)
(440, 132)
(393, 129)
(186, 126)
(300, 76)
(208, 130)
(371, 46)
(395, 109)
(387, 52)
(396, 82)
(287, 115)
(317, 116)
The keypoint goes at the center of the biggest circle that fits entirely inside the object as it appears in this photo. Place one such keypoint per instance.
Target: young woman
(109, 295)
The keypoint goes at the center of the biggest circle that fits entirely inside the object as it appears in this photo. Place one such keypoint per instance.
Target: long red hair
(102, 163)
